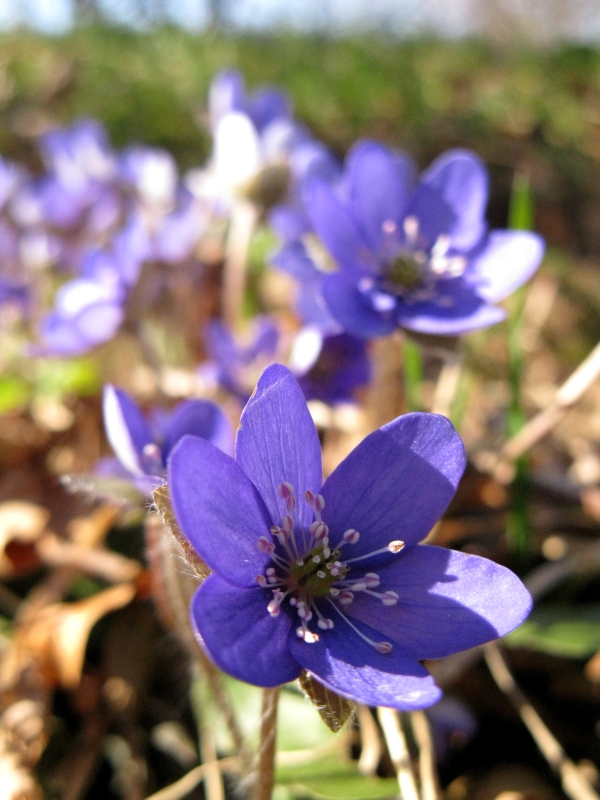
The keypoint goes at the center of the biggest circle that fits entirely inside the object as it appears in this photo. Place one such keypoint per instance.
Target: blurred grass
(423, 94)
(525, 111)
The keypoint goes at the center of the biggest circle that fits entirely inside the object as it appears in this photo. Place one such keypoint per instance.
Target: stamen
(346, 597)
(350, 537)
(315, 501)
(287, 494)
(411, 229)
(323, 623)
(261, 580)
(319, 530)
(308, 636)
(265, 546)
(372, 580)
(392, 547)
(381, 647)
(388, 598)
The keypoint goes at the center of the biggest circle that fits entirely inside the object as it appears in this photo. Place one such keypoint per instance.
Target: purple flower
(420, 258)
(86, 313)
(228, 94)
(341, 367)
(81, 164)
(330, 578)
(143, 446)
(235, 365)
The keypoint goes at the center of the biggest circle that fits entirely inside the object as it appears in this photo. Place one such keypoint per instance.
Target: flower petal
(240, 635)
(344, 662)
(456, 309)
(218, 509)
(447, 601)
(198, 418)
(267, 105)
(460, 179)
(510, 258)
(351, 308)
(395, 484)
(277, 441)
(126, 429)
(379, 186)
(337, 229)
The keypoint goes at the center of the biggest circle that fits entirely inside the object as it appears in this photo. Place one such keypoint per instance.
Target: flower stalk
(265, 766)
(241, 228)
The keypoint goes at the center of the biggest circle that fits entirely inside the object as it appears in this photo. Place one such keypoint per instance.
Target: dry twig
(427, 770)
(398, 750)
(574, 783)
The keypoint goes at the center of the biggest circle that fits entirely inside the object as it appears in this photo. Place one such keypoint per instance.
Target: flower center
(405, 271)
(310, 577)
(413, 266)
(313, 575)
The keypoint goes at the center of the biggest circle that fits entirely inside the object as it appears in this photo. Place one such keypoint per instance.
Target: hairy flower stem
(171, 590)
(265, 766)
(448, 382)
(241, 228)
(385, 396)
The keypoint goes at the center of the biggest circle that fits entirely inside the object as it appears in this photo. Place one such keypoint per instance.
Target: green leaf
(14, 393)
(335, 778)
(78, 376)
(333, 709)
(521, 210)
(572, 631)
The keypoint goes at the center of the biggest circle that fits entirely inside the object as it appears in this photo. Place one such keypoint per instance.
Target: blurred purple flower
(253, 139)
(89, 310)
(330, 578)
(80, 166)
(151, 173)
(233, 365)
(420, 258)
(86, 313)
(228, 94)
(143, 446)
(341, 367)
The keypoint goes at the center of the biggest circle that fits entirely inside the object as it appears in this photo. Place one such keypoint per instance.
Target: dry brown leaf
(90, 531)
(56, 638)
(96, 561)
(19, 521)
(333, 709)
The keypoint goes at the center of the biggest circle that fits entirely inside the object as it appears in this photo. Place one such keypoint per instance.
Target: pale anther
(351, 536)
(346, 597)
(389, 598)
(395, 546)
(265, 546)
(384, 647)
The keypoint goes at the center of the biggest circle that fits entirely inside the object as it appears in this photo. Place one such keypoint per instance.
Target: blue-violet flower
(143, 445)
(330, 578)
(416, 256)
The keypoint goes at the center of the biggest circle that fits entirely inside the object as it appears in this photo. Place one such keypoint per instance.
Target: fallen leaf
(21, 522)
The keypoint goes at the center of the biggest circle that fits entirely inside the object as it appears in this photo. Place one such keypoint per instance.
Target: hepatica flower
(329, 577)
(416, 255)
(143, 445)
